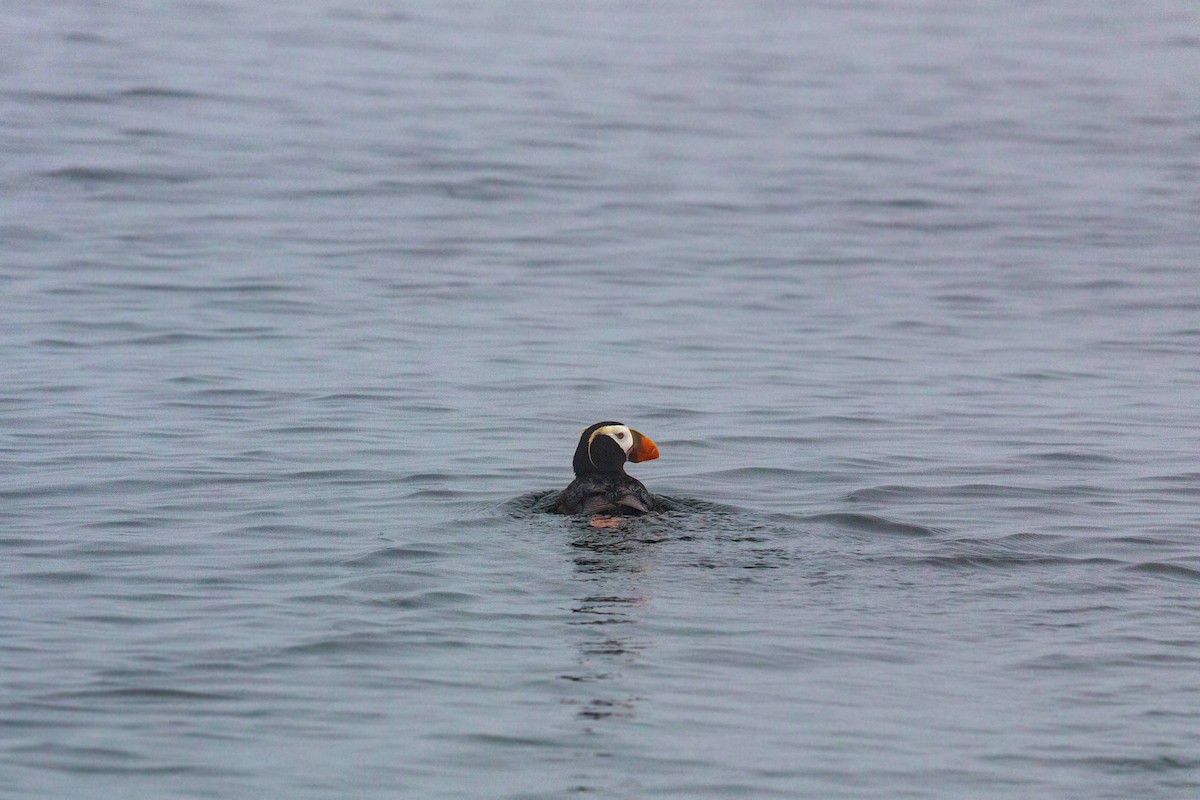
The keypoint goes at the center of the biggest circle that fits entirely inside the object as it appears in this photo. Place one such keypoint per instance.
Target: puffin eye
(620, 435)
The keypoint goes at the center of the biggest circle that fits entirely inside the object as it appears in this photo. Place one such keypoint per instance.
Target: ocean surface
(304, 305)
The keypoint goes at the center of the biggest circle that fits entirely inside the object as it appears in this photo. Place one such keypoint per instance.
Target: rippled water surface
(305, 304)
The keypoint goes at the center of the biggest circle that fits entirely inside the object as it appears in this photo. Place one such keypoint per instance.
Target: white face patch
(618, 433)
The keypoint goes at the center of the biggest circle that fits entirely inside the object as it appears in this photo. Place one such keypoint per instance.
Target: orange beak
(644, 448)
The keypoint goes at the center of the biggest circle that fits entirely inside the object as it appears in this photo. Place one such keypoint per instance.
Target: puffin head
(606, 446)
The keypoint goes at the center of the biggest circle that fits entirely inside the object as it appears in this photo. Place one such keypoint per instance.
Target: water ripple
(867, 523)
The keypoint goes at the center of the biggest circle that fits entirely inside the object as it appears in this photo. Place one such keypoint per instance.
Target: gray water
(304, 305)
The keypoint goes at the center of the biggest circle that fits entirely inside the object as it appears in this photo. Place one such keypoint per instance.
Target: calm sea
(304, 304)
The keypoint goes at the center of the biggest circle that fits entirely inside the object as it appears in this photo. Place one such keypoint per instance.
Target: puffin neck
(605, 457)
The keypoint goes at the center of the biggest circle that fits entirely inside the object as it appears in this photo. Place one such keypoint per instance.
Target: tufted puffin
(601, 485)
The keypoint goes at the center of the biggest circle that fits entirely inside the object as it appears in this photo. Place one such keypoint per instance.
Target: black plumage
(601, 485)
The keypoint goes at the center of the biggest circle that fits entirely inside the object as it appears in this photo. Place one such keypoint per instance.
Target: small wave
(347, 643)
(257, 334)
(674, 413)
(1024, 540)
(148, 693)
(870, 523)
(389, 555)
(160, 92)
(971, 491)
(112, 175)
(1048, 375)
(1167, 570)
(1009, 560)
(87, 98)
(424, 600)
(1186, 484)
(750, 473)
(497, 740)
(1153, 764)
(1074, 457)
(353, 477)
(238, 288)
(62, 576)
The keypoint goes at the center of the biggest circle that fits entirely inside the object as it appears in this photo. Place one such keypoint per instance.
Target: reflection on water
(615, 568)
(611, 568)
